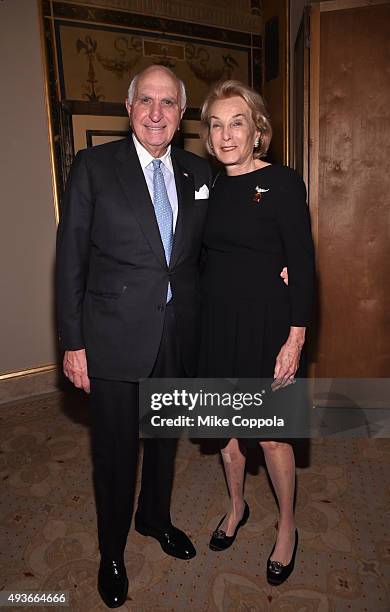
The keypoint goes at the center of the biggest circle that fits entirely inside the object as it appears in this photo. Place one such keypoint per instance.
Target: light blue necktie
(164, 214)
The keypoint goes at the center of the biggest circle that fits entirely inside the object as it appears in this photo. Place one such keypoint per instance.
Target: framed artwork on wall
(91, 55)
(92, 130)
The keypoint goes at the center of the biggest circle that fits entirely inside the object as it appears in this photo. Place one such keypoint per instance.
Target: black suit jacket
(112, 276)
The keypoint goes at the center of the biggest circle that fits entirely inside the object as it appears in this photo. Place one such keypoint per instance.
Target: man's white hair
(180, 85)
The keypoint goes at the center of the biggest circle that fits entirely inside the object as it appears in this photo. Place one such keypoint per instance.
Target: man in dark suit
(128, 306)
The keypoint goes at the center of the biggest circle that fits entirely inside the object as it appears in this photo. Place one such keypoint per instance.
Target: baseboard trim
(38, 370)
(28, 383)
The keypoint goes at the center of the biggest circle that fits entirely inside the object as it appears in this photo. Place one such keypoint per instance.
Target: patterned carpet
(49, 540)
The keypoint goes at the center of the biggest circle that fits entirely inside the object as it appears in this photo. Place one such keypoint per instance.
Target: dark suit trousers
(115, 445)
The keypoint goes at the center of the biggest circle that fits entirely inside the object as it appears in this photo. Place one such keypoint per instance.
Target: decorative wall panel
(92, 53)
(96, 63)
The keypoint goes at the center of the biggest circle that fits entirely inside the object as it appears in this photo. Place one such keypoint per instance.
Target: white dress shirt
(146, 159)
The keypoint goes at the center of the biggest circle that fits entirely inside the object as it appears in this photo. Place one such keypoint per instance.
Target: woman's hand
(287, 361)
(284, 275)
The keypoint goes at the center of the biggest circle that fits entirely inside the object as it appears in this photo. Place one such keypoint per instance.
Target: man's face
(155, 112)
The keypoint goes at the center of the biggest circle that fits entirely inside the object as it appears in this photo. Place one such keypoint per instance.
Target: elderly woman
(253, 324)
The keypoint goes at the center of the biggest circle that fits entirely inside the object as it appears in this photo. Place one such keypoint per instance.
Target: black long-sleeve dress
(250, 236)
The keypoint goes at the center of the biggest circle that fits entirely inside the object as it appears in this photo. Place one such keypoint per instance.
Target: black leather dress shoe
(112, 582)
(219, 540)
(277, 573)
(173, 541)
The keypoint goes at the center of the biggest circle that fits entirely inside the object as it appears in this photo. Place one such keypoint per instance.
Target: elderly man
(128, 306)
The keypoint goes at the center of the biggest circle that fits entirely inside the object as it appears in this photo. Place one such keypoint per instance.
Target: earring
(257, 143)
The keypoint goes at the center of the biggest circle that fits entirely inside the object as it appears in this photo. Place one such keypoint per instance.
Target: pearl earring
(257, 143)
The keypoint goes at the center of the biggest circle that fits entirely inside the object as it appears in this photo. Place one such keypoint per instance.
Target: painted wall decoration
(92, 53)
(96, 64)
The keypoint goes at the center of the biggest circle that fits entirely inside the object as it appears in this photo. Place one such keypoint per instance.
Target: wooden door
(300, 157)
(349, 185)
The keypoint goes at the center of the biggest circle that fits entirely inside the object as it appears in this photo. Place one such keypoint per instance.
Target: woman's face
(233, 134)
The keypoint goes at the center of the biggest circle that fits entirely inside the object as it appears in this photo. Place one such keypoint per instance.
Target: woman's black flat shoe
(277, 573)
(219, 539)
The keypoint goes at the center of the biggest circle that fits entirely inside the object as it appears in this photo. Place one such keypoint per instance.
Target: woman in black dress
(253, 324)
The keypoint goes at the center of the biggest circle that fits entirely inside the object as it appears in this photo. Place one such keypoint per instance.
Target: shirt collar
(146, 158)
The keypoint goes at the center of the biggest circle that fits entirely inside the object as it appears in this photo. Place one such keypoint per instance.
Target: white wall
(27, 228)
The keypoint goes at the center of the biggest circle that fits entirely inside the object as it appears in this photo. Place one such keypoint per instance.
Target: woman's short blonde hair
(260, 117)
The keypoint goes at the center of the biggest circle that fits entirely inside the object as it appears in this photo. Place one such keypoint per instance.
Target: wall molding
(38, 370)
(29, 383)
(197, 12)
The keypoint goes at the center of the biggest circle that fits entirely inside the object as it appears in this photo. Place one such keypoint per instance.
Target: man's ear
(128, 106)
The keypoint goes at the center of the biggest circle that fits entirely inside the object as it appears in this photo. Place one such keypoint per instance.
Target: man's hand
(284, 275)
(75, 368)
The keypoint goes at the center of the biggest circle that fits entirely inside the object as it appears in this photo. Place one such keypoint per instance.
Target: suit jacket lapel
(185, 195)
(133, 182)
